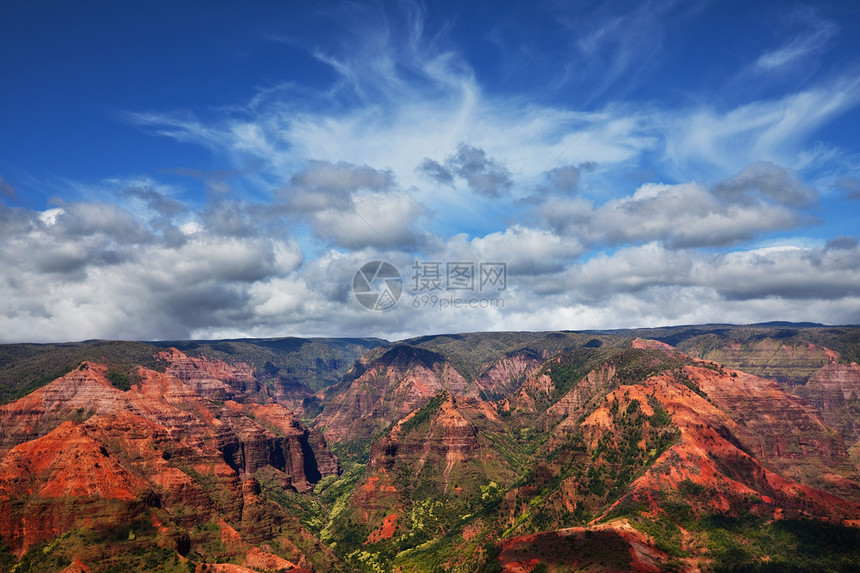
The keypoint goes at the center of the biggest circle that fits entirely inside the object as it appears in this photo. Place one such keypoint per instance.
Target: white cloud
(711, 141)
(526, 251)
(812, 40)
(225, 285)
(760, 199)
(91, 272)
(383, 220)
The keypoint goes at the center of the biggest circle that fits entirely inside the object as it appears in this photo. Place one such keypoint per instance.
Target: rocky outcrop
(711, 453)
(835, 391)
(595, 383)
(613, 546)
(213, 379)
(289, 392)
(506, 374)
(732, 454)
(400, 381)
(449, 443)
(76, 395)
(536, 393)
(736, 440)
(77, 566)
(277, 438)
(648, 344)
(443, 450)
(49, 484)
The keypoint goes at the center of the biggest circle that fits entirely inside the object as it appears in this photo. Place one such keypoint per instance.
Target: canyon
(684, 448)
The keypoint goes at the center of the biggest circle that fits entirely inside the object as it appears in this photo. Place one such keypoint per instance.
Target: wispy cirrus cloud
(707, 140)
(615, 42)
(812, 38)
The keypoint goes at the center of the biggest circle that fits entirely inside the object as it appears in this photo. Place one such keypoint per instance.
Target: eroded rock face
(213, 379)
(80, 449)
(648, 344)
(835, 391)
(445, 454)
(285, 444)
(74, 396)
(783, 431)
(46, 484)
(506, 375)
(717, 450)
(737, 442)
(595, 382)
(623, 548)
(788, 364)
(451, 437)
(400, 381)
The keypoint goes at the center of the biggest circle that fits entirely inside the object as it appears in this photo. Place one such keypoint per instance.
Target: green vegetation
(572, 367)
(661, 416)
(356, 450)
(124, 376)
(424, 414)
(633, 366)
(119, 380)
(471, 353)
(307, 509)
(756, 349)
(749, 543)
(130, 548)
(341, 532)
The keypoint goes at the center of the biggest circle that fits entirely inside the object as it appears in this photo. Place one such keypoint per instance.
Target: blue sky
(172, 171)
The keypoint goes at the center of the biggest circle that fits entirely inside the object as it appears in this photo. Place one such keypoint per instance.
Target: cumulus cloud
(565, 180)
(382, 220)
(760, 199)
(159, 203)
(233, 218)
(840, 243)
(62, 286)
(483, 175)
(524, 250)
(342, 177)
(434, 171)
(354, 206)
(91, 270)
(787, 273)
(658, 286)
(767, 181)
